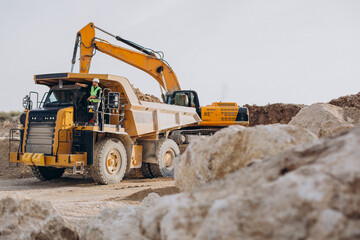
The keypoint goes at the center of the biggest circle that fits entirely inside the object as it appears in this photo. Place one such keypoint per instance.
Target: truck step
(78, 168)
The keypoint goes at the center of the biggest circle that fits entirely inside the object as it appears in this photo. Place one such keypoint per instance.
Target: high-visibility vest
(93, 92)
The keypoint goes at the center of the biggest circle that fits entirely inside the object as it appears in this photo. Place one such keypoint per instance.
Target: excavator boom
(145, 61)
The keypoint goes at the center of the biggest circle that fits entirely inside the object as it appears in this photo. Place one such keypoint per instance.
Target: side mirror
(27, 103)
(114, 100)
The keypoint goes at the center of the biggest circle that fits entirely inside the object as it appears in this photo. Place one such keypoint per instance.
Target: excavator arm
(145, 60)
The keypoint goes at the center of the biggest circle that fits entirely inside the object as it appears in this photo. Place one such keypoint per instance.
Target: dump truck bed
(142, 118)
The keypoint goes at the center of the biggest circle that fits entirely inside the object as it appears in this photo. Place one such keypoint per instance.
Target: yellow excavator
(213, 117)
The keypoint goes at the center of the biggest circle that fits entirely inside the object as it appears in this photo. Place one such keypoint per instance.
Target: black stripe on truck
(51, 75)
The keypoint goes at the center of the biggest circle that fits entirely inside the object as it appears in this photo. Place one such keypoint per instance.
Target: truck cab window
(61, 96)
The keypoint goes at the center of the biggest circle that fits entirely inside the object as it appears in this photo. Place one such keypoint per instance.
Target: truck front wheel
(110, 162)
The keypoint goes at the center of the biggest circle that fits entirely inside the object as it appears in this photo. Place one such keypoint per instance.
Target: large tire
(146, 171)
(47, 173)
(165, 153)
(110, 162)
(150, 170)
(155, 170)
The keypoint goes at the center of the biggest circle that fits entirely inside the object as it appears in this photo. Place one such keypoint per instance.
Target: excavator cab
(186, 98)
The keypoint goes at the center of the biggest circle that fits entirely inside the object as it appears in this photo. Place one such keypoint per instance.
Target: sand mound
(347, 101)
(208, 159)
(139, 196)
(30, 219)
(325, 119)
(311, 191)
(272, 113)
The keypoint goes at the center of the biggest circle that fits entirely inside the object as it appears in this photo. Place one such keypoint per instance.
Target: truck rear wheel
(47, 173)
(166, 152)
(150, 170)
(110, 162)
(146, 171)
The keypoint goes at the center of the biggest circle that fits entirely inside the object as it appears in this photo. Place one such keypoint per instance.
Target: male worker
(95, 96)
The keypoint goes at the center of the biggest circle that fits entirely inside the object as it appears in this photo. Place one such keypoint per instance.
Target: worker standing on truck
(95, 96)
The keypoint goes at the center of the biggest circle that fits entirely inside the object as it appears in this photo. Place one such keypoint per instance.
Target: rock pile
(30, 219)
(325, 119)
(208, 159)
(272, 113)
(145, 97)
(311, 191)
(282, 113)
(347, 101)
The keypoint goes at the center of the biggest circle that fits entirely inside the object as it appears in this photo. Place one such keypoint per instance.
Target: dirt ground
(77, 198)
(80, 199)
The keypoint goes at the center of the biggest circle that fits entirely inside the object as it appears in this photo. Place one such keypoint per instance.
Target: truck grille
(40, 137)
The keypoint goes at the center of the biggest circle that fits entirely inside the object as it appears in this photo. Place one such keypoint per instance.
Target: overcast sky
(250, 52)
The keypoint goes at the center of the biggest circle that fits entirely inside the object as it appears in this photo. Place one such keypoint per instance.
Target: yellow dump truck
(130, 134)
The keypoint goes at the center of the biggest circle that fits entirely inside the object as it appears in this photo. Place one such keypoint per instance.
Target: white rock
(323, 119)
(209, 159)
(122, 223)
(151, 200)
(31, 219)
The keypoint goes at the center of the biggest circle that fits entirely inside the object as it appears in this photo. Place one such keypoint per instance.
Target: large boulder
(30, 219)
(325, 119)
(209, 159)
(311, 191)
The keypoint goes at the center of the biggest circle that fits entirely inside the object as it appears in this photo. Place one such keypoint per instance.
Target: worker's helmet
(96, 80)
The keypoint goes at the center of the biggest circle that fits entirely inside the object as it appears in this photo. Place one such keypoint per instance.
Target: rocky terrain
(311, 191)
(297, 177)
